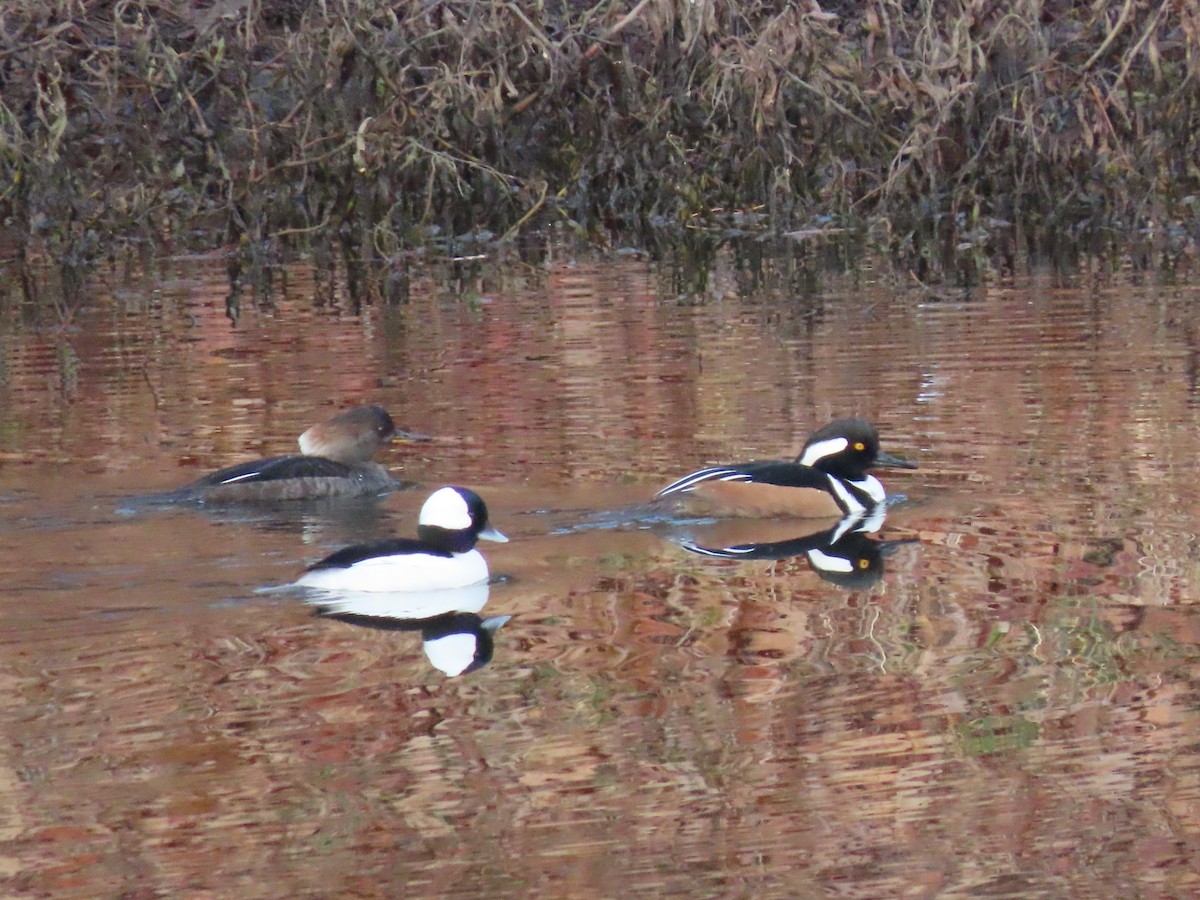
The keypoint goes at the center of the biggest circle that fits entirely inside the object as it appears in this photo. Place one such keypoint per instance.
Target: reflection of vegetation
(1067, 659)
(1104, 553)
(1046, 668)
(1090, 653)
(68, 368)
(367, 124)
(996, 734)
(619, 562)
(590, 696)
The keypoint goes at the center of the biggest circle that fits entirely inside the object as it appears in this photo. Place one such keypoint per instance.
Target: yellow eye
(864, 564)
(859, 445)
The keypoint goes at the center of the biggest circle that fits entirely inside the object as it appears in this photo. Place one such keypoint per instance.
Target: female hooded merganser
(443, 556)
(334, 461)
(829, 478)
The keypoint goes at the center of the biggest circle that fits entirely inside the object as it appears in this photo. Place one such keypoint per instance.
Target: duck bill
(893, 462)
(887, 548)
(493, 623)
(409, 437)
(491, 534)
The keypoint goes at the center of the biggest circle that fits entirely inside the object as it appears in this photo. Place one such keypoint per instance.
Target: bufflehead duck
(334, 461)
(460, 643)
(456, 639)
(442, 556)
(828, 479)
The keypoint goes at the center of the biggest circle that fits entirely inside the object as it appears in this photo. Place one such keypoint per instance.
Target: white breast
(874, 489)
(405, 572)
(406, 605)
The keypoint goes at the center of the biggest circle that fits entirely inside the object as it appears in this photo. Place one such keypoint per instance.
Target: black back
(275, 468)
(348, 556)
(770, 549)
(783, 473)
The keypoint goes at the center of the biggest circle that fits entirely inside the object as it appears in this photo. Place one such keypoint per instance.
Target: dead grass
(369, 127)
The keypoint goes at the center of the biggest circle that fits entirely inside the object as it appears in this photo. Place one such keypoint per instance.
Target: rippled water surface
(1004, 705)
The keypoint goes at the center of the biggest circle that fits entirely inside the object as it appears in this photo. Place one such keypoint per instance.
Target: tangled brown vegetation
(375, 125)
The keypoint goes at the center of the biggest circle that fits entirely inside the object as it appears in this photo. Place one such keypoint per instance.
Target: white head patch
(447, 509)
(452, 653)
(827, 563)
(814, 453)
(849, 501)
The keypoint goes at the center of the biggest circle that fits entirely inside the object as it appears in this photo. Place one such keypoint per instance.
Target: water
(1008, 710)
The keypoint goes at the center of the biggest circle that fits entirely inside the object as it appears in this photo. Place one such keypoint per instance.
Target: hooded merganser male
(828, 479)
(334, 461)
(842, 555)
(443, 555)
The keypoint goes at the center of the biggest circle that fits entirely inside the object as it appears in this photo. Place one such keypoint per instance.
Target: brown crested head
(352, 436)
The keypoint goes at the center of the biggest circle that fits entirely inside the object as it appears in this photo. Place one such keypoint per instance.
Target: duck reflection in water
(335, 460)
(456, 639)
(436, 583)
(842, 554)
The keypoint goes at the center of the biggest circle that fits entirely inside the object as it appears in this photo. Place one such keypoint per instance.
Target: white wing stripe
(241, 477)
(687, 482)
(851, 504)
(723, 553)
(871, 487)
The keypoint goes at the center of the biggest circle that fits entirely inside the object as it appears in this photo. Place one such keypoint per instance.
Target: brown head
(352, 436)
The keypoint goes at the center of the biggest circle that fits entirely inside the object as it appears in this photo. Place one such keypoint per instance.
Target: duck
(455, 637)
(460, 643)
(828, 479)
(842, 554)
(441, 557)
(335, 460)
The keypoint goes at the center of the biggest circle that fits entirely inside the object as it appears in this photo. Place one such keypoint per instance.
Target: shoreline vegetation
(362, 129)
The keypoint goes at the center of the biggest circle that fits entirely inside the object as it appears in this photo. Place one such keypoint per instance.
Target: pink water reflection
(1009, 710)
